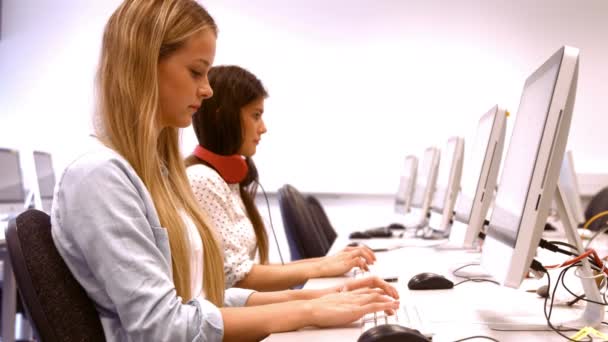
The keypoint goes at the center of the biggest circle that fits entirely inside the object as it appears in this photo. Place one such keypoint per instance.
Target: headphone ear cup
(233, 169)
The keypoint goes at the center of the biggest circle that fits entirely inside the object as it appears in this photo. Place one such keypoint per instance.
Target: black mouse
(429, 281)
(396, 226)
(392, 333)
(360, 235)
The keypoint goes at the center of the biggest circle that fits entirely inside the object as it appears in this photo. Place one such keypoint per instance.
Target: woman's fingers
(372, 282)
(366, 254)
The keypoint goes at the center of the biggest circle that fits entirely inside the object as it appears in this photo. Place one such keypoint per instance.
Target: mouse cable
(276, 241)
(464, 266)
(477, 280)
(477, 337)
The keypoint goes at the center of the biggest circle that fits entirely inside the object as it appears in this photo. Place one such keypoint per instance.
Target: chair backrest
(321, 219)
(598, 204)
(55, 302)
(303, 236)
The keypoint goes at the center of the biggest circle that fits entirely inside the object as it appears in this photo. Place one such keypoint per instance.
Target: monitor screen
(472, 177)
(443, 176)
(404, 192)
(45, 174)
(11, 181)
(522, 156)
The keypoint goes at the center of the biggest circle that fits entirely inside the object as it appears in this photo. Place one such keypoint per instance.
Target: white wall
(354, 85)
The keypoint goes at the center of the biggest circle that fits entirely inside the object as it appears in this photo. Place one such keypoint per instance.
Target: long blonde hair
(137, 36)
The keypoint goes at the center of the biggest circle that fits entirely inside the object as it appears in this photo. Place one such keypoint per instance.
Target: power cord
(575, 295)
(548, 314)
(271, 225)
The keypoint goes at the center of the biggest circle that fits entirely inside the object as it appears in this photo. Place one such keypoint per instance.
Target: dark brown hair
(218, 128)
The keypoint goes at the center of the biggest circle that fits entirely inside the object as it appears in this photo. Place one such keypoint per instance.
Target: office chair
(305, 239)
(321, 219)
(57, 305)
(598, 204)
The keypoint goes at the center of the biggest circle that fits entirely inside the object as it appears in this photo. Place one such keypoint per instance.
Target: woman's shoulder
(97, 161)
(201, 175)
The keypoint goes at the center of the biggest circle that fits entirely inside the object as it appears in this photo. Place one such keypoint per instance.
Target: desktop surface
(457, 313)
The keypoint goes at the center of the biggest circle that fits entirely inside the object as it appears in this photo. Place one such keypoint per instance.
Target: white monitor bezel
(410, 167)
(509, 264)
(445, 209)
(486, 183)
(431, 157)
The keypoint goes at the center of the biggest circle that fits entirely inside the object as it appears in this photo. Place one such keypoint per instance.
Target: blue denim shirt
(107, 230)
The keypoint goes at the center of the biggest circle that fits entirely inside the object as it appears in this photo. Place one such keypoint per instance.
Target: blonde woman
(124, 218)
(223, 178)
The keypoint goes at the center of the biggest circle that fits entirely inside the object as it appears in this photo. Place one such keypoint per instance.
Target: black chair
(55, 302)
(305, 239)
(598, 204)
(321, 219)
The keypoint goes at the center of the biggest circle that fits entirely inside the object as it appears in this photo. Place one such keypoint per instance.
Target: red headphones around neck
(233, 168)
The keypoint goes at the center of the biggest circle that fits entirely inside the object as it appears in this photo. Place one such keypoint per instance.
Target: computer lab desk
(455, 313)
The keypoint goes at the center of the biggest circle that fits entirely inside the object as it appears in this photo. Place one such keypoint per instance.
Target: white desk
(456, 313)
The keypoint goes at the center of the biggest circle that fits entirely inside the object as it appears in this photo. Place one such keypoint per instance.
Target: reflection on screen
(521, 157)
(45, 174)
(423, 178)
(443, 176)
(11, 185)
(473, 167)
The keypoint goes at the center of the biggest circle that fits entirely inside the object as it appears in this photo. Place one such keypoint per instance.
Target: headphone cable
(271, 225)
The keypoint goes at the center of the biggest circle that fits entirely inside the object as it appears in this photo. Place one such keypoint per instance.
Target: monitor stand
(593, 314)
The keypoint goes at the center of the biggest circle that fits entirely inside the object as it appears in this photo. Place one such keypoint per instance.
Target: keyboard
(407, 315)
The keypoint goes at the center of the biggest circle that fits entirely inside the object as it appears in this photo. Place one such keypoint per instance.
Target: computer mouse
(359, 235)
(397, 226)
(392, 333)
(429, 281)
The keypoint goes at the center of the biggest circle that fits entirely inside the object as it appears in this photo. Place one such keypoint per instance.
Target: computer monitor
(403, 198)
(423, 191)
(531, 168)
(46, 178)
(479, 178)
(12, 192)
(447, 188)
